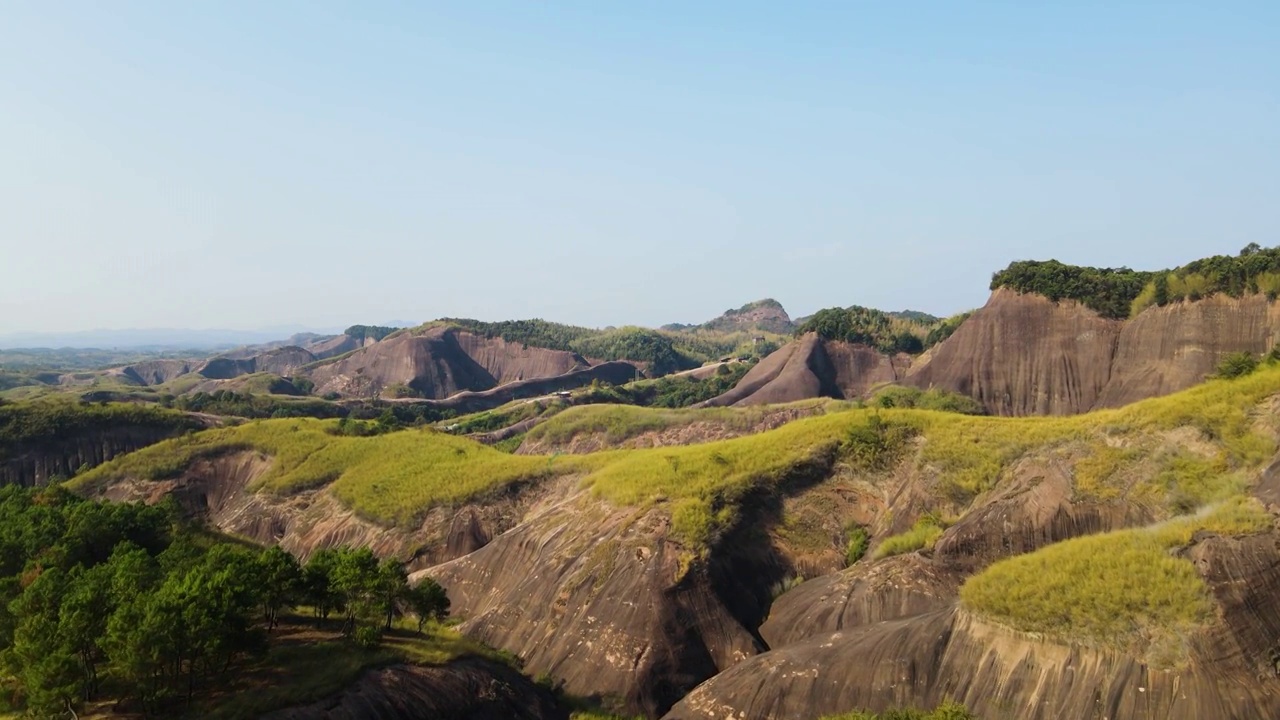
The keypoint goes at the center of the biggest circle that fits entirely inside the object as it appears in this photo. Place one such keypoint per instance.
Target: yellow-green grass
(945, 711)
(396, 477)
(391, 478)
(1115, 588)
(923, 534)
(618, 423)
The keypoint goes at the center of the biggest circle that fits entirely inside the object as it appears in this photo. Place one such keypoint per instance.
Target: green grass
(398, 476)
(1113, 589)
(392, 478)
(923, 534)
(619, 423)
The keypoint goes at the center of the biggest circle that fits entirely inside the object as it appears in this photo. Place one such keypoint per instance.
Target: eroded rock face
(600, 599)
(37, 463)
(1167, 349)
(155, 372)
(812, 367)
(1027, 355)
(1036, 506)
(891, 633)
(465, 689)
(949, 655)
(218, 489)
(442, 362)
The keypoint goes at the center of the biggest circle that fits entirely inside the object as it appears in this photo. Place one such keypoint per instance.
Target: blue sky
(319, 164)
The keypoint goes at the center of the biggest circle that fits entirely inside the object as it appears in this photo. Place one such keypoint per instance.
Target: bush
(877, 444)
(856, 546)
(1122, 293)
(897, 396)
(1236, 365)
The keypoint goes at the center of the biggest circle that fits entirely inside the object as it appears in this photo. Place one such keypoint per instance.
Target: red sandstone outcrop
(812, 367)
(440, 362)
(1023, 354)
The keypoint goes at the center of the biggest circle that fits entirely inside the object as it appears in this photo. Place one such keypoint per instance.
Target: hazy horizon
(241, 165)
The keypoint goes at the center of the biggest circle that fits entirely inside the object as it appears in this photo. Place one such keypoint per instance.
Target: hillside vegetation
(665, 351)
(49, 420)
(906, 332)
(1122, 589)
(118, 602)
(1121, 293)
(392, 478)
(397, 476)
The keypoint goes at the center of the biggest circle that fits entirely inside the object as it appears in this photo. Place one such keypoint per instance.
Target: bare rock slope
(440, 362)
(813, 367)
(1023, 354)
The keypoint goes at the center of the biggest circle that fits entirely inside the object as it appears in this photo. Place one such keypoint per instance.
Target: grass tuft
(1116, 588)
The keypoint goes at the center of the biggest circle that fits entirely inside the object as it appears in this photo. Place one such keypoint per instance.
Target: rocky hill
(439, 362)
(1023, 354)
(40, 442)
(813, 367)
(666, 577)
(765, 315)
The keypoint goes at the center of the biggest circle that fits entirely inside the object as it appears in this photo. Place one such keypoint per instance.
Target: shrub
(1236, 365)
(932, 399)
(856, 546)
(877, 444)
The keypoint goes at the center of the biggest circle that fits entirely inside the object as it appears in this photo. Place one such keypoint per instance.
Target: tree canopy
(119, 599)
(887, 332)
(1121, 293)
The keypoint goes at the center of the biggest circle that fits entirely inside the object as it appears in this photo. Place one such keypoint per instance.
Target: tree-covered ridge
(364, 332)
(1107, 291)
(663, 351)
(54, 419)
(887, 332)
(105, 600)
(1121, 293)
(918, 316)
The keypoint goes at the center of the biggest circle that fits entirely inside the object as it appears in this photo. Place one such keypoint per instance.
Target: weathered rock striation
(464, 689)
(40, 461)
(813, 367)
(440, 362)
(1023, 354)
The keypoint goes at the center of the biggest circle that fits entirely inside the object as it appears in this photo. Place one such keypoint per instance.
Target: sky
(313, 164)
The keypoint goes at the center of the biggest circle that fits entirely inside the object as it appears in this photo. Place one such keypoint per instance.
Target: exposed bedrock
(812, 367)
(1023, 354)
(465, 689)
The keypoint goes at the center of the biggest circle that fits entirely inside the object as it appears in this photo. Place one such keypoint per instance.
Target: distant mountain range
(153, 339)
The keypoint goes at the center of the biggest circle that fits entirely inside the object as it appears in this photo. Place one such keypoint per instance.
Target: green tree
(82, 622)
(428, 601)
(356, 578)
(1237, 365)
(393, 585)
(1162, 290)
(280, 580)
(40, 656)
(318, 587)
